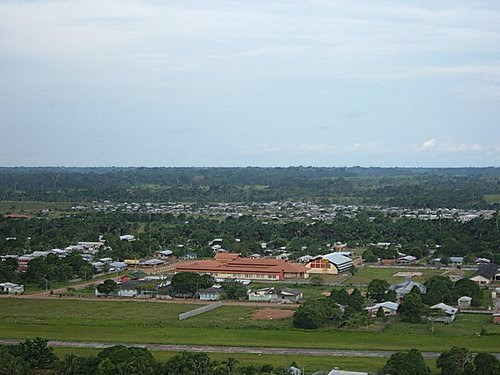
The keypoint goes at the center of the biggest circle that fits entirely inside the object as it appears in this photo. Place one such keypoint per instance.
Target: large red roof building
(232, 265)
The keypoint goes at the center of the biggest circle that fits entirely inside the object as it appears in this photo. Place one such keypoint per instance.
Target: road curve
(231, 349)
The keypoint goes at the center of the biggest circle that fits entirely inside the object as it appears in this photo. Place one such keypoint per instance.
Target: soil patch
(272, 314)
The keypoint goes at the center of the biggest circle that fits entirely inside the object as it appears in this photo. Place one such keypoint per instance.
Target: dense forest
(404, 187)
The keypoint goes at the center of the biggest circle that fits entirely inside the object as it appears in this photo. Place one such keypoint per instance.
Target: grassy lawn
(136, 322)
(309, 363)
(367, 274)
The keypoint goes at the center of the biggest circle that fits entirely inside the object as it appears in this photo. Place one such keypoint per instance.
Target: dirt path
(46, 295)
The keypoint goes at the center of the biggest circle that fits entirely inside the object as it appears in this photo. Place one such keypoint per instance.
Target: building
(127, 237)
(213, 293)
(448, 313)
(233, 266)
(190, 255)
(455, 274)
(464, 303)
(162, 254)
(457, 261)
(408, 259)
(486, 274)
(406, 287)
(389, 308)
(332, 264)
(289, 295)
(263, 295)
(11, 288)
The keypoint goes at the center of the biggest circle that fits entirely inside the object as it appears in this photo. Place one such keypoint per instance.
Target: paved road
(232, 349)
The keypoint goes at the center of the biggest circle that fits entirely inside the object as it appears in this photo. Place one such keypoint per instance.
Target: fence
(200, 310)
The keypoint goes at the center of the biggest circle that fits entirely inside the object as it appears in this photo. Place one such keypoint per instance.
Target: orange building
(233, 266)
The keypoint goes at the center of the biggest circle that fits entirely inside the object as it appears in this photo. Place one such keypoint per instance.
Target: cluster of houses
(138, 284)
(285, 211)
(444, 312)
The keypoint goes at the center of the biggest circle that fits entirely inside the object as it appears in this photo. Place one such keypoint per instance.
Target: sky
(250, 83)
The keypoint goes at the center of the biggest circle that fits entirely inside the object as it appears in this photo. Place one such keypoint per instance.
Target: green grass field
(309, 363)
(367, 274)
(143, 322)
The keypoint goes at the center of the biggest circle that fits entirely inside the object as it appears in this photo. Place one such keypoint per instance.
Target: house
(292, 370)
(464, 302)
(333, 264)
(210, 294)
(151, 263)
(11, 288)
(408, 259)
(60, 253)
(457, 261)
(406, 287)
(117, 266)
(455, 274)
(389, 308)
(289, 295)
(127, 237)
(190, 255)
(486, 274)
(496, 318)
(481, 261)
(448, 313)
(304, 259)
(263, 295)
(99, 266)
(162, 254)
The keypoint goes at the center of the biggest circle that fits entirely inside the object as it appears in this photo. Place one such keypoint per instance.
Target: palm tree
(229, 367)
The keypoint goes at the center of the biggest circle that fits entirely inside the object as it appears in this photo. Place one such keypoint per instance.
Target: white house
(11, 288)
(464, 302)
(210, 294)
(389, 308)
(263, 295)
(449, 313)
(163, 254)
(127, 237)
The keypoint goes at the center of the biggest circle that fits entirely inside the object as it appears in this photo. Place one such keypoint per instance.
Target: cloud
(429, 144)
(263, 147)
(462, 147)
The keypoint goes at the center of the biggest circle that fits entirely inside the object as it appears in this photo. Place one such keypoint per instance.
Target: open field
(310, 364)
(32, 207)
(133, 322)
(492, 198)
(367, 274)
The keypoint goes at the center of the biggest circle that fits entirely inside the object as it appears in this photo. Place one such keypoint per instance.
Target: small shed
(464, 302)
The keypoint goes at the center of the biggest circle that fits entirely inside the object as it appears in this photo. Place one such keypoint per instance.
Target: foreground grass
(135, 322)
(309, 363)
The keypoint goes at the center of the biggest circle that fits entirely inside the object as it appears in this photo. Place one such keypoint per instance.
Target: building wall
(321, 266)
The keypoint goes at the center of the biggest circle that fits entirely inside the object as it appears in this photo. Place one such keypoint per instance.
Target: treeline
(35, 356)
(477, 238)
(405, 187)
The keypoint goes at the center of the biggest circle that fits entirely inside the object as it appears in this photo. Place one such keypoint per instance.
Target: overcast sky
(238, 83)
